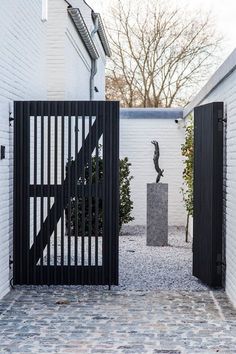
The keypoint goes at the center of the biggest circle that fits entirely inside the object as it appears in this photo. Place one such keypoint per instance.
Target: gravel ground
(145, 267)
(148, 268)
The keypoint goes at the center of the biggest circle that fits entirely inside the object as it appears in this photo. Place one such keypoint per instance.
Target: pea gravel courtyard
(157, 308)
(148, 268)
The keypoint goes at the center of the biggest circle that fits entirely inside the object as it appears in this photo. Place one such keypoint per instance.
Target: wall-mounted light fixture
(180, 122)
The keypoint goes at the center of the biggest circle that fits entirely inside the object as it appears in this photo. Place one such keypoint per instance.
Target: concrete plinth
(157, 214)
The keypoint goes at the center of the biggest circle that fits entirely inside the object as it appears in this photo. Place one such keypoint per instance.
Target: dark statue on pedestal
(156, 160)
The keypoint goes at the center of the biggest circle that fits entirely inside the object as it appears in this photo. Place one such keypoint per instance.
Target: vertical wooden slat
(22, 192)
(42, 183)
(115, 192)
(18, 192)
(35, 215)
(104, 194)
(69, 192)
(49, 185)
(96, 195)
(76, 192)
(62, 190)
(107, 182)
(110, 207)
(26, 166)
(22, 271)
(89, 196)
(83, 199)
(56, 201)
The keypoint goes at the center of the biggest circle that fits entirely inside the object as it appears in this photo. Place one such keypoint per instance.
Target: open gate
(208, 193)
(66, 192)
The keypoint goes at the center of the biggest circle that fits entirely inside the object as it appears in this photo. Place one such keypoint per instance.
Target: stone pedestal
(157, 214)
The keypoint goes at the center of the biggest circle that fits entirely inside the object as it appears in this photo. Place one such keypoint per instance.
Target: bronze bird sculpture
(156, 161)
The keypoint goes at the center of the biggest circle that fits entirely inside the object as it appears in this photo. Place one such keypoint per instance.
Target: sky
(223, 12)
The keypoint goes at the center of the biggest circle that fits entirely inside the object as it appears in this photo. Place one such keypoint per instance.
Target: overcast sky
(224, 12)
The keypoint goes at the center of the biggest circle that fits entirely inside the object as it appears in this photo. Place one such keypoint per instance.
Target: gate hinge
(223, 118)
(220, 263)
(11, 119)
(10, 262)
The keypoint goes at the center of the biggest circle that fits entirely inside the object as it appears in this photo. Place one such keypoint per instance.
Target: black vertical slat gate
(66, 192)
(208, 193)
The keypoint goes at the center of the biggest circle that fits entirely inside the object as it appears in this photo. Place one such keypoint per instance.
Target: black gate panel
(66, 192)
(208, 193)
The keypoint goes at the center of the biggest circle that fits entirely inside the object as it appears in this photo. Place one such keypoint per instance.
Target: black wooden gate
(66, 192)
(208, 193)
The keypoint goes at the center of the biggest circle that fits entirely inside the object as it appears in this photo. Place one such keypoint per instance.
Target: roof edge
(225, 70)
(151, 113)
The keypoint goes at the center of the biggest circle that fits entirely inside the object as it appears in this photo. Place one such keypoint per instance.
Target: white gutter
(102, 34)
(84, 32)
(94, 62)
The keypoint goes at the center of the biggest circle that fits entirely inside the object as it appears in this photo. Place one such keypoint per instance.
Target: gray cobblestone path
(81, 320)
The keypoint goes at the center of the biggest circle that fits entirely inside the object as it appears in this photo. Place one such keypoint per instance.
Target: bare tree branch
(160, 54)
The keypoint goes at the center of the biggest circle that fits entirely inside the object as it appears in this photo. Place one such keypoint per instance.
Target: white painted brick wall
(69, 64)
(77, 65)
(57, 15)
(5, 222)
(226, 92)
(34, 66)
(22, 76)
(135, 138)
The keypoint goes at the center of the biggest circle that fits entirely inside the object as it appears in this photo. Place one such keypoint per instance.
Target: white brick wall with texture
(22, 73)
(5, 187)
(69, 64)
(226, 92)
(135, 143)
(34, 65)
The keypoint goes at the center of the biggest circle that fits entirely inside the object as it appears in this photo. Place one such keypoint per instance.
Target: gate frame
(208, 214)
(24, 272)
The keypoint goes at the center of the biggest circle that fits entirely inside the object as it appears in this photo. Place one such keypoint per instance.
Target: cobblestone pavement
(78, 320)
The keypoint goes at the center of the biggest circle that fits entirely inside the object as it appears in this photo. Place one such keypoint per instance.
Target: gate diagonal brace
(57, 209)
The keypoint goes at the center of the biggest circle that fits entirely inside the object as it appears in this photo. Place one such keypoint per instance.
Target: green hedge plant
(188, 151)
(80, 206)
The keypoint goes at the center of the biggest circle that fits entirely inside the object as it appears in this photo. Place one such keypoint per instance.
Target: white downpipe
(94, 63)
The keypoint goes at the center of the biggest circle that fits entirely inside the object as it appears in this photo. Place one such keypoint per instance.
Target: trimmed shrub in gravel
(96, 208)
(126, 204)
(188, 152)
